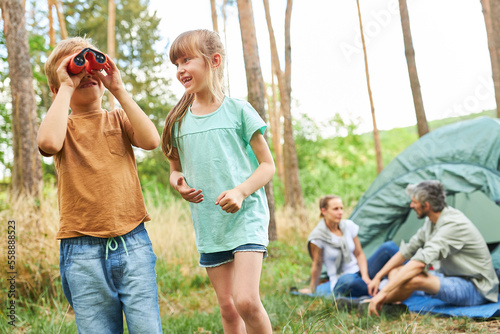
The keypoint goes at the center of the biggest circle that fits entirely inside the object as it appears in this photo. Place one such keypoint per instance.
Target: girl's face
(334, 211)
(191, 73)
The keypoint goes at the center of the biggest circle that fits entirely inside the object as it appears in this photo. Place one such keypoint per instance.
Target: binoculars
(89, 59)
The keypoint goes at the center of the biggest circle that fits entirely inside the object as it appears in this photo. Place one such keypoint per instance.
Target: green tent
(464, 156)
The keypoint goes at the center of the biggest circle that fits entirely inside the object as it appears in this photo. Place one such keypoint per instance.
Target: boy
(106, 262)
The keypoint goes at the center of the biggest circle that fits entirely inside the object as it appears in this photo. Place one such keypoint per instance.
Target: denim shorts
(458, 291)
(106, 278)
(210, 260)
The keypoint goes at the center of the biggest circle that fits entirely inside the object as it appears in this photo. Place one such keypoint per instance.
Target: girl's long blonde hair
(202, 43)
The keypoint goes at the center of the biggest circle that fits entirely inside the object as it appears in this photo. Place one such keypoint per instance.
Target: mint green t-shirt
(215, 156)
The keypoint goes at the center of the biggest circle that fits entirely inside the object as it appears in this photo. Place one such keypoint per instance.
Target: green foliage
(5, 132)
(343, 165)
(154, 171)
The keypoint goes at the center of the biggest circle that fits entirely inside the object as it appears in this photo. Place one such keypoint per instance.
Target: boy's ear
(54, 90)
(216, 60)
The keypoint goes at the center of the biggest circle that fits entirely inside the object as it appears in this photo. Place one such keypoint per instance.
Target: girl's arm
(178, 182)
(362, 263)
(231, 200)
(145, 133)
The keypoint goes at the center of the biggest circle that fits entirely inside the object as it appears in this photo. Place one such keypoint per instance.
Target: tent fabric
(464, 156)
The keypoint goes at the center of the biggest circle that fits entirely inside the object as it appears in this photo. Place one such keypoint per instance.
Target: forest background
(344, 163)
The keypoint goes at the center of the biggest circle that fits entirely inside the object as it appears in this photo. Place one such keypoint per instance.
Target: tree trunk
(214, 16)
(62, 21)
(111, 42)
(255, 85)
(422, 125)
(52, 32)
(275, 120)
(293, 191)
(491, 8)
(290, 153)
(224, 18)
(274, 114)
(376, 137)
(27, 171)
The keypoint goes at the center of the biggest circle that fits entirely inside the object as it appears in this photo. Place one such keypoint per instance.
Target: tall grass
(187, 300)
(170, 229)
(37, 253)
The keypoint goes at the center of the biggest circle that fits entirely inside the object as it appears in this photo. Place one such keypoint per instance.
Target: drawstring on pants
(113, 245)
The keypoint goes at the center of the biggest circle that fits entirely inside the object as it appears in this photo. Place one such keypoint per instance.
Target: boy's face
(89, 89)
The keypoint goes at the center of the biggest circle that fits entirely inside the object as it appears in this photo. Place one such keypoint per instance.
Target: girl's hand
(230, 200)
(112, 80)
(189, 194)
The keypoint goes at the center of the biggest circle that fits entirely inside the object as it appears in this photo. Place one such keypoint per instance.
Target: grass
(187, 301)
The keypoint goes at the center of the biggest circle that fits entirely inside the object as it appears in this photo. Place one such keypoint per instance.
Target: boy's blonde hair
(202, 43)
(63, 49)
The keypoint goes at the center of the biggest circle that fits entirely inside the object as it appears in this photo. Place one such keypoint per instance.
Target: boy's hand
(65, 79)
(230, 200)
(189, 194)
(112, 80)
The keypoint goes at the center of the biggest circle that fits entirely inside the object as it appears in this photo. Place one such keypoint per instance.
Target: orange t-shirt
(99, 192)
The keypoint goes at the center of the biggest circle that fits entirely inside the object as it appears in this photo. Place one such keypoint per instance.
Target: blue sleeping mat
(426, 304)
(419, 303)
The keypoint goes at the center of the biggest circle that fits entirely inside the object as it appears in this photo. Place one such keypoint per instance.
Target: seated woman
(334, 242)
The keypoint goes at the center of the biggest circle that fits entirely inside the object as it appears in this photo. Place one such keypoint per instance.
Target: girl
(219, 162)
